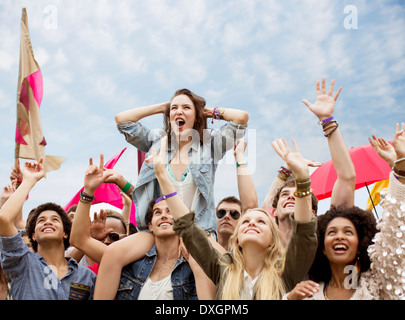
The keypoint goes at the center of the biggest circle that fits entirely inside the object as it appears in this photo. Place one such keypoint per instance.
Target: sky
(99, 58)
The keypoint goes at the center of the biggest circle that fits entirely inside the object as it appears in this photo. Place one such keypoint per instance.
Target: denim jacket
(203, 159)
(134, 276)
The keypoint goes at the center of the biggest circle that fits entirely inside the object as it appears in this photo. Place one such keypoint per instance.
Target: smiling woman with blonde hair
(269, 285)
(257, 266)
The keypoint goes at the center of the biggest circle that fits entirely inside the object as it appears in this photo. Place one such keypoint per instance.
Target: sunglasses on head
(115, 236)
(235, 214)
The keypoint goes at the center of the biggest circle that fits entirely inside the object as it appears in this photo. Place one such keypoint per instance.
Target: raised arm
(384, 149)
(284, 174)
(175, 203)
(398, 143)
(137, 114)
(80, 235)
(32, 173)
(228, 114)
(246, 187)
(298, 165)
(343, 190)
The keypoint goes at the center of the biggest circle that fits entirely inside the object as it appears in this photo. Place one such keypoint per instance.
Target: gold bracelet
(302, 194)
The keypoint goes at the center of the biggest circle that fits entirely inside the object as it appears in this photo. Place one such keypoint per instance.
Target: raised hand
(383, 149)
(97, 227)
(95, 175)
(239, 148)
(325, 102)
(294, 160)
(34, 170)
(7, 192)
(158, 159)
(16, 173)
(399, 141)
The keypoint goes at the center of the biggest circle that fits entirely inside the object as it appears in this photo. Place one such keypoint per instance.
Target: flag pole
(369, 194)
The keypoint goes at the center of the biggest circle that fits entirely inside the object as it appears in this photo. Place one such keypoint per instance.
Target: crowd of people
(187, 247)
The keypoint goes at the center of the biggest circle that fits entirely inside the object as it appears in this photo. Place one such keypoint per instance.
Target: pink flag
(29, 141)
(141, 159)
(107, 192)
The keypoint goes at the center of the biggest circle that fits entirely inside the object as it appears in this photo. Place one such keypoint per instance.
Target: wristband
(126, 187)
(164, 197)
(216, 113)
(242, 163)
(303, 186)
(325, 120)
(85, 198)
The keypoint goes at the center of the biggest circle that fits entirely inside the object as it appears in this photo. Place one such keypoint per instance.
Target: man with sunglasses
(228, 213)
(230, 209)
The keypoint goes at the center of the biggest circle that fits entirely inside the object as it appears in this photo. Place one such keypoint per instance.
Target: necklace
(326, 297)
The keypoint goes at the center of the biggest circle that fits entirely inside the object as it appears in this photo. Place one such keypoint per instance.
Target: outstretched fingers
(323, 86)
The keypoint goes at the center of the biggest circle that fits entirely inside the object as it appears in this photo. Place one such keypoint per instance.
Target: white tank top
(186, 187)
(157, 290)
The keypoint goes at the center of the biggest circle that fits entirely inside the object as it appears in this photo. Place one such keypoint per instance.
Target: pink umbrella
(369, 166)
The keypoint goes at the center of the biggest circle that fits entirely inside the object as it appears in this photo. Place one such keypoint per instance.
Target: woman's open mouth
(180, 123)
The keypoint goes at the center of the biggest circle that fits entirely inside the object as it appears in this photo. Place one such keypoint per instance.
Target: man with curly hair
(44, 274)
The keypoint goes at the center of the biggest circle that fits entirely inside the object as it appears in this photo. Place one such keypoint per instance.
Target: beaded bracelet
(302, 194)
(85, 198)
(302, 188)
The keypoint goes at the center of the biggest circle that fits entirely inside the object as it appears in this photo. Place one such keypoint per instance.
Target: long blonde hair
(270, 285)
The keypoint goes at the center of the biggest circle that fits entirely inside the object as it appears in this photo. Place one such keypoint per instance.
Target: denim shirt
(203, 160)
(33, 279)
(134, 276)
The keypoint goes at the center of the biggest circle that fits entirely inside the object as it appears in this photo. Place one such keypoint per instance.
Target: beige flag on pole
(29, 140)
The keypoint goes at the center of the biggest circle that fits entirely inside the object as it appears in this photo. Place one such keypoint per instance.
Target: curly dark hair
(200, 118)
(366, 228)
(32, 222)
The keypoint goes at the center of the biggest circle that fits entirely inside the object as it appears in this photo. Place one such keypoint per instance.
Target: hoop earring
(357, 265)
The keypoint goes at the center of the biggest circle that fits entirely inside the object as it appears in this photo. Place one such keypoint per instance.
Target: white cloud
(7, 61)
(262, 56)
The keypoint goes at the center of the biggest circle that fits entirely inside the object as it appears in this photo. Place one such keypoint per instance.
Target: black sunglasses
(115, 236)
(235, 214)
